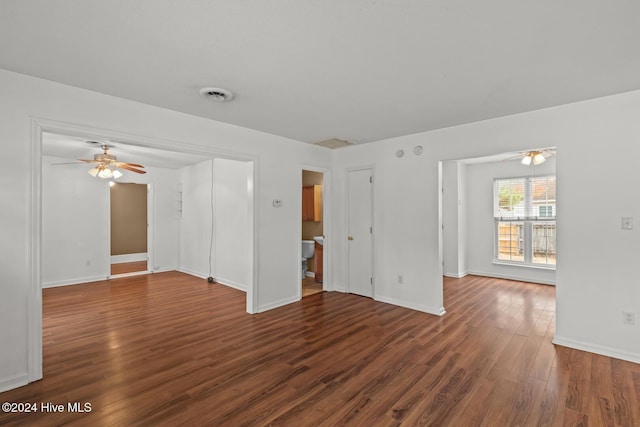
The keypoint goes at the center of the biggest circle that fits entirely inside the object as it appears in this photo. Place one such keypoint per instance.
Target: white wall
(454, 219)
(405, 198)
(480, 224)
(594, 282)
(26, 102)
(229, 203)
(233, 262)
(196, 223)
(75, 222)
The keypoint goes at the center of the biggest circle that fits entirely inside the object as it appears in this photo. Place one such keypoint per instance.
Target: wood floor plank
(170, 349)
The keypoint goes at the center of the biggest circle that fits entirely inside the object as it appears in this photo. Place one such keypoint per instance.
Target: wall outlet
(628, 317)
(627, 223)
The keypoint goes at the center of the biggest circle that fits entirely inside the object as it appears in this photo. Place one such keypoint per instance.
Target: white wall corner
(276, 304)
(438, 311)
(192, 273)
(595, 348)
(10, 383)
(231, 284)
(457, 275)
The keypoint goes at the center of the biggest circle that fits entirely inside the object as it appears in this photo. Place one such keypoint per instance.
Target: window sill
(526, 265)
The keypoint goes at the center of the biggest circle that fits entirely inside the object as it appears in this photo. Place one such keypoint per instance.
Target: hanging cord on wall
(210, 279)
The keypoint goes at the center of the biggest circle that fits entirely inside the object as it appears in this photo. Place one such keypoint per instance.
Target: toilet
(308, 249)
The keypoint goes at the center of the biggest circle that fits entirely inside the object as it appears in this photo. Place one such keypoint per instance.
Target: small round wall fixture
(399, 153)
(417, 150)
(216, 94)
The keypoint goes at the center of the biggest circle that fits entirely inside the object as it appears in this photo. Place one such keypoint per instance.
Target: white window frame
(528, 219)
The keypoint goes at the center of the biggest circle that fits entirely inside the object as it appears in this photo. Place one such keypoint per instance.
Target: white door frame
(327, 283)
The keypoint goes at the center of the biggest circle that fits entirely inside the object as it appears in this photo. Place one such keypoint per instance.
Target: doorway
(91, 206)
(313, 224)
(360, 232)
(129, 228)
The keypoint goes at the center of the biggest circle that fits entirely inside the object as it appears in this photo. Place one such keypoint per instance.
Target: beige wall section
(128, 218)
(312, 228)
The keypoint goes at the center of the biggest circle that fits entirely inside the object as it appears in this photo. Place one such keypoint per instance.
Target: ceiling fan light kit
(107, 165)
(105, 172)
(535, 157)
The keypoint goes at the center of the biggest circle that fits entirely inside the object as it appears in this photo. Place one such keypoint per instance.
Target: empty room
(473, 233)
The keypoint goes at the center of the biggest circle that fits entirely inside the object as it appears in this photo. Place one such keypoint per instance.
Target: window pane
(544, 243)
(510, 241)
(510, 195)
(543, 193)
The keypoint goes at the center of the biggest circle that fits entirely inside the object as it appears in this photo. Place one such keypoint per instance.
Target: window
(525, 220)
(545, 211)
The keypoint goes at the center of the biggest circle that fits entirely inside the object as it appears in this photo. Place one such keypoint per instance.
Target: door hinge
(370, 180)
(372, 280)
(370, 230)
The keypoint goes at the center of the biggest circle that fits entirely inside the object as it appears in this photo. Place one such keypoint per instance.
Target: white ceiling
(357, 70)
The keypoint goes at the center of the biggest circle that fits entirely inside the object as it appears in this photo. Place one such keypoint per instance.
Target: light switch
(627, 223)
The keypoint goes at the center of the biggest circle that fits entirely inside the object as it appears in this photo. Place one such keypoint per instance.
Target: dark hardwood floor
(170, 349)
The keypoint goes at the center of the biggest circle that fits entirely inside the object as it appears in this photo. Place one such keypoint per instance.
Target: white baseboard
(456, 275)
(597, 349)
(119, 259)
(77, 281)
(438, 311)
(10, 383)
(511, 277)
(231, 284)
(219, 280)
(276, 304)
(193, 273)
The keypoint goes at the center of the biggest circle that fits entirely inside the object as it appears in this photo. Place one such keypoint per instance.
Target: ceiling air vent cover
(216, 94)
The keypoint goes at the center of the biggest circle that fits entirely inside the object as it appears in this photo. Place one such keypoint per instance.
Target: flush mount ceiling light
(216, 94)
(535, 157)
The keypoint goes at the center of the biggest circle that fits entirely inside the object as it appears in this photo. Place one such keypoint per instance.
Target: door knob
(350, 237)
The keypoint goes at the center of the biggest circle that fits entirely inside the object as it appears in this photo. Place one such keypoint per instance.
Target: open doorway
(312, 261)
(70, 236)
(129, 228)
(498, 217)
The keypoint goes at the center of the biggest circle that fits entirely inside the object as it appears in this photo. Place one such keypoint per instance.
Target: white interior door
(360, 237)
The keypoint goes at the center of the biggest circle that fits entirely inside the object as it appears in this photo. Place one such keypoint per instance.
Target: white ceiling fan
(534, 157)
(107, 165)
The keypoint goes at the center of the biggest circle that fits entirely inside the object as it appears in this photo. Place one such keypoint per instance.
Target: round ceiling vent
(216, 94)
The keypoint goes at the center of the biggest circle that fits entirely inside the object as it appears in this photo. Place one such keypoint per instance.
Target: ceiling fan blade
(66, 163)
(88, 161)
(135, 165)
(132, 169)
